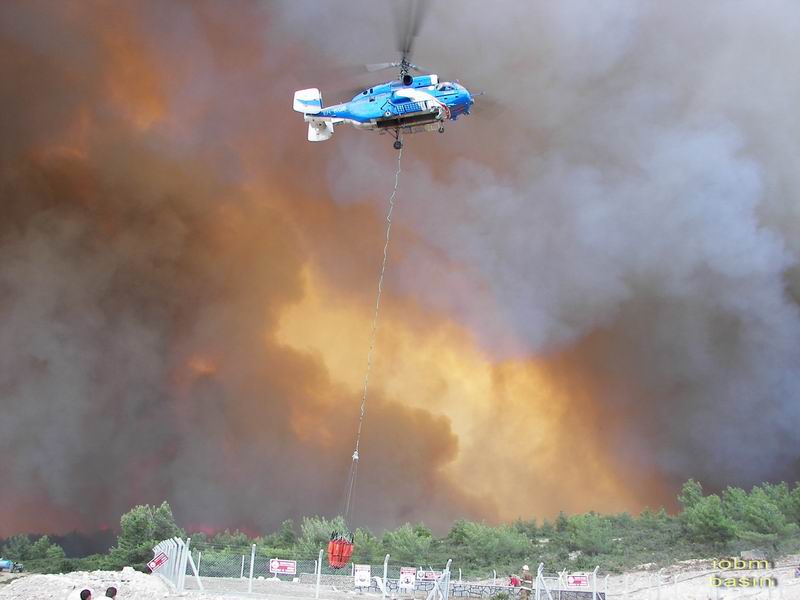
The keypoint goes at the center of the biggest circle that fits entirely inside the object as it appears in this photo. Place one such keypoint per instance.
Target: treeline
(765, 518)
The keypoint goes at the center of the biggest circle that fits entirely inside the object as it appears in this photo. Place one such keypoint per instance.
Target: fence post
(252, 561)
(241, 573)
(494, 576)
(184, 559)
(196, 570)
(594, 582)
(173, 556)
(660, 579)
(459, 574)
(199, 556)
(538, 579)
(447, 581)
(385, 573)
(319, 574)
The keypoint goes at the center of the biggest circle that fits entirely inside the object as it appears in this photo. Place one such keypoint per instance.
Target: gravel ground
(685, 581)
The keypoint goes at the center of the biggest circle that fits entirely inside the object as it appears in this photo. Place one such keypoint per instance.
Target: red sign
(429, 575)
(283, 567)
(157, 561)
(577, 580)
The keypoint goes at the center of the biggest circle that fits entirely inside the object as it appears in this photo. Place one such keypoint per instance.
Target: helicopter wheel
(397, 144)
(441, 129)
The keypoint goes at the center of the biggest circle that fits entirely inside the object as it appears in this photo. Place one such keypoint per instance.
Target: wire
(348, 510)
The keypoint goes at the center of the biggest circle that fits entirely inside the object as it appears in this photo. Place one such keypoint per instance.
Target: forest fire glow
(565, 308)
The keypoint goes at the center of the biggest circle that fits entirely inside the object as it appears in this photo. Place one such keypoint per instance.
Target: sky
(591, 293)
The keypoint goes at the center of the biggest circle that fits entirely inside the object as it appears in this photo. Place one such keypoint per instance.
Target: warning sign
(361, 575)
(429, 575)
(283, 567)
(579, 580)
(408, 578)
(159, 560)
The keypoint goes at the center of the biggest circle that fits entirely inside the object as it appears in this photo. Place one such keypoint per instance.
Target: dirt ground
(690, 580)
(696, 579)
(6, 578)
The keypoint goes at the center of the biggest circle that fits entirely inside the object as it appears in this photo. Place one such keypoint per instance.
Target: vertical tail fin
(308, 101)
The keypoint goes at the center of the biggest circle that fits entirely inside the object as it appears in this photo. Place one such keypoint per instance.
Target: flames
(525, 444)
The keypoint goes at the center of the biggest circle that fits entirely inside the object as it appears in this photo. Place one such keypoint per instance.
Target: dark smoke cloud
(141, 281)
(631, 215)
(625, 229)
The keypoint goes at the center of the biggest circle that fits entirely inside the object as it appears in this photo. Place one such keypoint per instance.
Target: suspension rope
(348, 510)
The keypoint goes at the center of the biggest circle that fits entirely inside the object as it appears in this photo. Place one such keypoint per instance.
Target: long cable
(354, 466)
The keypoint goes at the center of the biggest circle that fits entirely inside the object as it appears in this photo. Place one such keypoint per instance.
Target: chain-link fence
(252, 570)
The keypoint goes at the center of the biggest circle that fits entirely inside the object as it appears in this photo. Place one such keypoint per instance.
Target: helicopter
(409, 104)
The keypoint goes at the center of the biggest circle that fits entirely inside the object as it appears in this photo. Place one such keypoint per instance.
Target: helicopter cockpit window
(444, 87)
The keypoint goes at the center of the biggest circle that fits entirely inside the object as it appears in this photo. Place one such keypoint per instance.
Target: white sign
(408, 576)
(428, 575)
(283, 567)
(580, 580)
(157, 561)
(361, 574)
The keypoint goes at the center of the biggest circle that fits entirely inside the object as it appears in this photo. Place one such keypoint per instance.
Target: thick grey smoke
(627, 219)
(148, 245)
(631, 213)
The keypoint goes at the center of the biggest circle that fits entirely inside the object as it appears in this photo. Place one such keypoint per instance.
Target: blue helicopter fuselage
(424, 104)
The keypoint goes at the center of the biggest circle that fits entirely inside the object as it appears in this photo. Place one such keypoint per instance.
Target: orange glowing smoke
(524, 445)
(199, 258)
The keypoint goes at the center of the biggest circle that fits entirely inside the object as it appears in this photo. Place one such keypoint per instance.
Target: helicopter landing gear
(441, 129)
(398, 143)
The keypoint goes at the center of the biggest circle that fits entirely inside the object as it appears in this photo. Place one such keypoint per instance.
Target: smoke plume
(591, 293)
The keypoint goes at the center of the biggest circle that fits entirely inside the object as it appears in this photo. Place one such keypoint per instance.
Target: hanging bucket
(340, 549)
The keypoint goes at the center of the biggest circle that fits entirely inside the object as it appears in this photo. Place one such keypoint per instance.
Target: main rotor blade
(409, 15)
(381, 66)
(419, 69)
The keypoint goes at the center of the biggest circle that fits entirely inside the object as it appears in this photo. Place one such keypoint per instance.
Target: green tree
(734, 504)
(781, 497)
(286, 534)
(527, 528)
(17, 547)
(41, 556)
(315, 533)
(691, 494)
(407, 544)
(763, 521)
(142, 528)
(794, 504)
(164, 526)
(590, 533)
(39, 548)
(367, 548)
(562, 523)
(230, 539)
(457, 536)
(706, 522)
